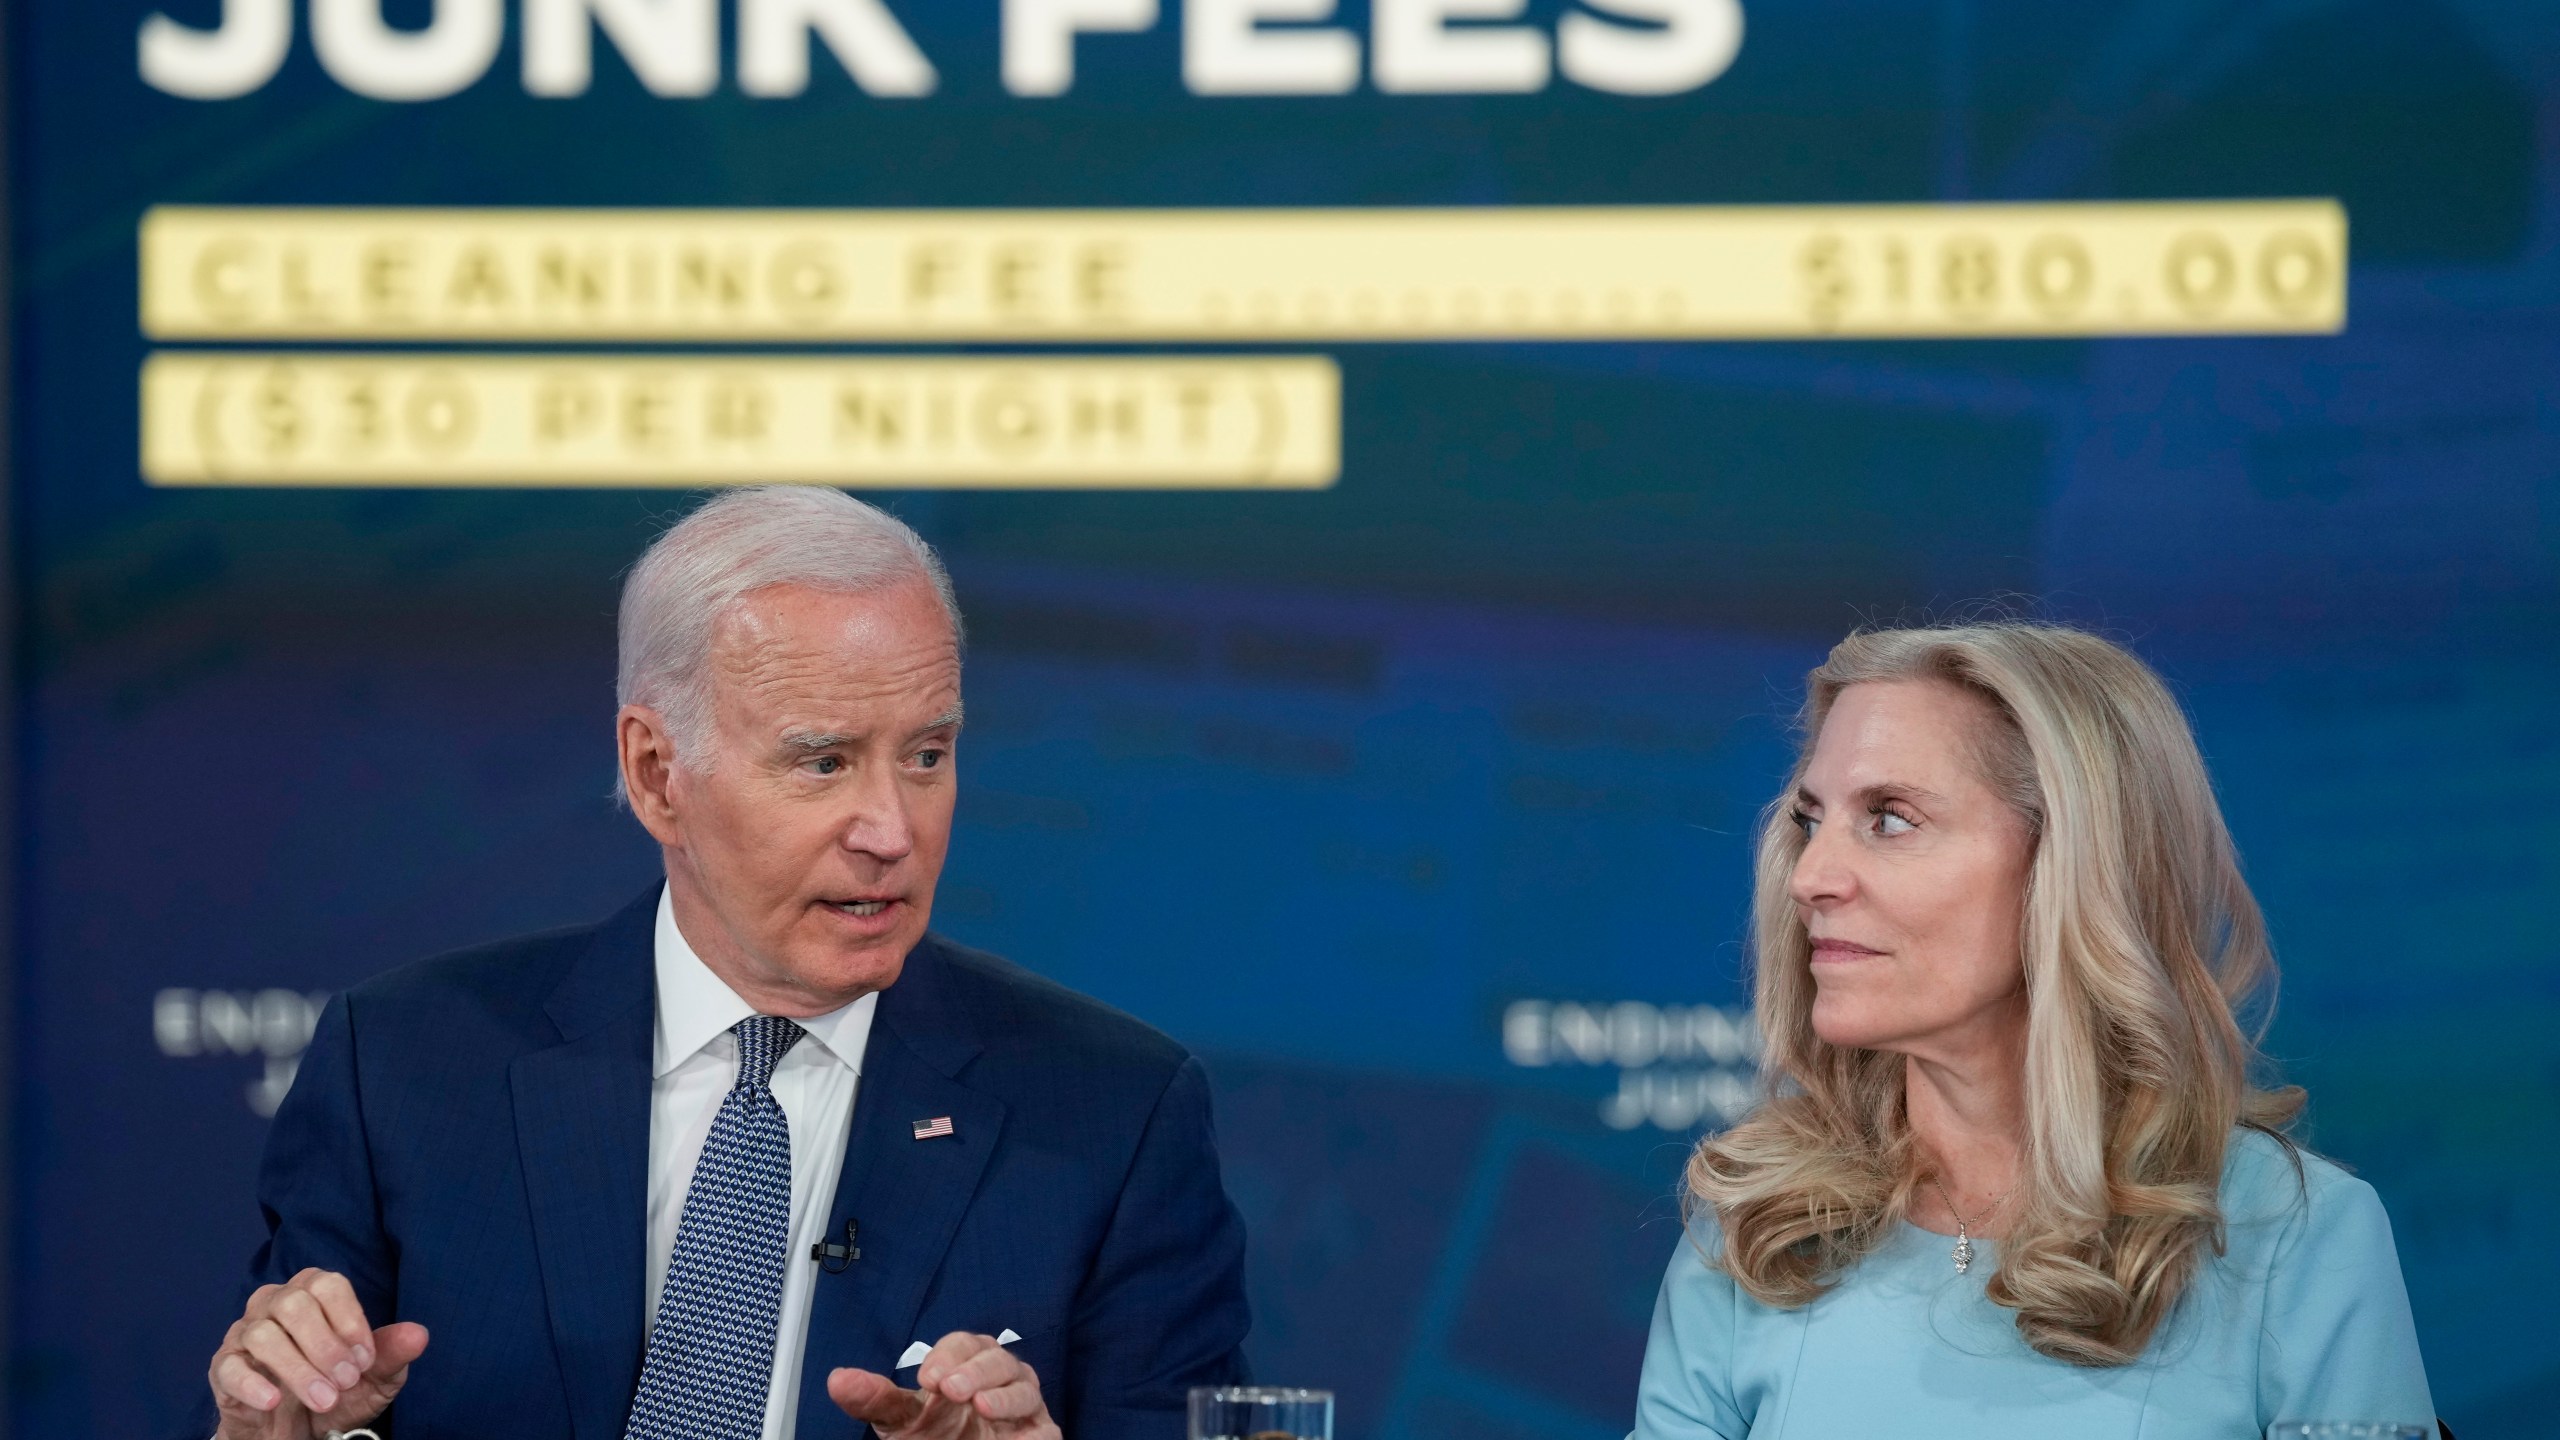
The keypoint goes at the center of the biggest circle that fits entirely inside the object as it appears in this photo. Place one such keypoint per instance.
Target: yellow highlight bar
(1584, 273)
(259, 418)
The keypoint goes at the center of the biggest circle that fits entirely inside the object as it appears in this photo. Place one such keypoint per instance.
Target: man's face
(803, 854)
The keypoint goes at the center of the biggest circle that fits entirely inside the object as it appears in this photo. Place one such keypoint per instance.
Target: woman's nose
(1821, 875)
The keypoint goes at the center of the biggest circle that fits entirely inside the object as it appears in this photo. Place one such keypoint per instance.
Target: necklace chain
(1963, 1252)
(1987, 1210)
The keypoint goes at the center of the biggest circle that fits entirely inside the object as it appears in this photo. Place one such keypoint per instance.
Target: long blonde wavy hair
(2145, 956)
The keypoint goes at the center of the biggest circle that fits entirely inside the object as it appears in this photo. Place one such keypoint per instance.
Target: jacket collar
(582, 1138)
(922, 1010)
(613, 976)
(907, 1195)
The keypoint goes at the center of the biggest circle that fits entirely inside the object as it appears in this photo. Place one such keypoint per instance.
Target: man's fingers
(989, 1368)
(306, 1344)
(337, 1300)
(1019, 1400)
(304, 1318)
(874, 1398)
(948, 1354)
(275, 1352)
(234, 1376)
(397, 1346)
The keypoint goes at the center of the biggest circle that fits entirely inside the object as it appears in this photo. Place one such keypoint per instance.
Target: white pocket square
(916, 1352)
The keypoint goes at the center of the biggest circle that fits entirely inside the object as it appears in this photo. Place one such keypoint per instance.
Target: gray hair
(736, 543)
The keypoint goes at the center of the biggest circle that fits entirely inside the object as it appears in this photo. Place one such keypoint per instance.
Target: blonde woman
(2013, 1178)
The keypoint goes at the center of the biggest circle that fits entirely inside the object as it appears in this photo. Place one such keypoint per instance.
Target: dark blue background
(1322, 782)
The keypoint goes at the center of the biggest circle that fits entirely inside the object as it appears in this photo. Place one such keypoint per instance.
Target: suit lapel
(906, 1195)
(582, 1136)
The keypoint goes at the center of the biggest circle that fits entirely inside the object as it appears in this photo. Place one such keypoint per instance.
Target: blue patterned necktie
(710, 1359)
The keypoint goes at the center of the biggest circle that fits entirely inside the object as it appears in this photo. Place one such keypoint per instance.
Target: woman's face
(1913, 877)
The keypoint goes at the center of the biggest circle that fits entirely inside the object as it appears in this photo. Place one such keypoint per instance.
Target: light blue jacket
(2304, 1317)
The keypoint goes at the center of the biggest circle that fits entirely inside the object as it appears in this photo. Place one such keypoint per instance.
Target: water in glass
(1260, 1412)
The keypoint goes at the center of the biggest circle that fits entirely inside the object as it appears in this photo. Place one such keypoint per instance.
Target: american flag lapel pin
(934, 1128)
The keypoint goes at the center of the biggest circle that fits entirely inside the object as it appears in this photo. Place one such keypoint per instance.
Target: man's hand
(302, 1361)
(970, 1388)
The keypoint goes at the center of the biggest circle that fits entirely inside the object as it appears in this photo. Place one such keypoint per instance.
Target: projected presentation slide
(1397, 462)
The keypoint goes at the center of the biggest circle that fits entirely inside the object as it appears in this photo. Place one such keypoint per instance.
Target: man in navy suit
(757, 1157)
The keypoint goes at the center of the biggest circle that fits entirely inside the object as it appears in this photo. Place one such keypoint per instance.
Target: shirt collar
(696, 1007)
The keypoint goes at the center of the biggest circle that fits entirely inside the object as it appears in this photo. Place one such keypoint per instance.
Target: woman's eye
(1804, 822)
(1889, 822)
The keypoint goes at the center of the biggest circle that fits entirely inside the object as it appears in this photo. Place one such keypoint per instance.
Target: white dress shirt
(696, 1062)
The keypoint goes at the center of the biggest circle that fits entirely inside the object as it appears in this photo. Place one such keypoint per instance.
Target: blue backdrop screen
(1419, 805)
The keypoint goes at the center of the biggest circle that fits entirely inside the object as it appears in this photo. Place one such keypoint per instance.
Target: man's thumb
(875, 1398)
(394, 1346)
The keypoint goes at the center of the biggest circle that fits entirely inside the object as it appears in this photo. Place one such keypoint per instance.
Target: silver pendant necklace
(1963, 1253)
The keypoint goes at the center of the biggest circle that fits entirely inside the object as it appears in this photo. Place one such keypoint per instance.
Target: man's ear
(648, 756)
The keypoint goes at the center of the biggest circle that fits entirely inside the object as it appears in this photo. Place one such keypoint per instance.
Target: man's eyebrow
(812, 742)
(817, 742)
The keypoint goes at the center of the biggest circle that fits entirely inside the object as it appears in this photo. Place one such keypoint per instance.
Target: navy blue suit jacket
(468, 1142)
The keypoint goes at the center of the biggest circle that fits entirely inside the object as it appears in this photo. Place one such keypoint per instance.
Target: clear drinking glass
(2346, 1430)
(1260, 1412)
